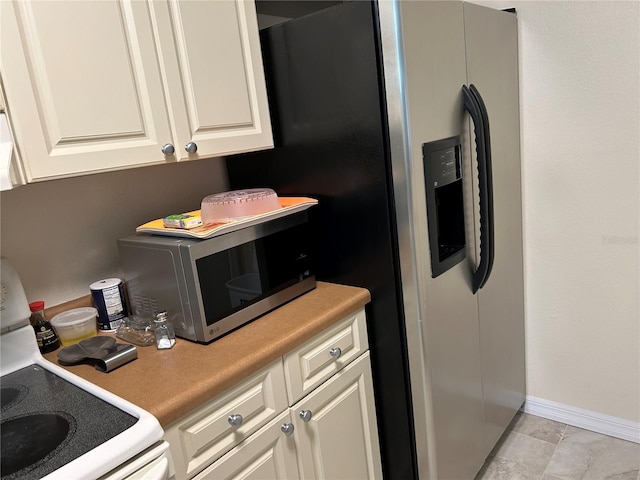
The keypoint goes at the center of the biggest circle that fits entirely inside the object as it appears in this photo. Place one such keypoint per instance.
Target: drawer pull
(305, 415)
(235, 420)
(287, 429)
(335, 352)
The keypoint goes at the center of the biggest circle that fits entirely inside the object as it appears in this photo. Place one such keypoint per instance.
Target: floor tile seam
(539, 439)
(524, 435)
(562, 437)
(544, 472)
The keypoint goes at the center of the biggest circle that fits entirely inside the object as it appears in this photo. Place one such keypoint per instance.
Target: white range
(56, 425)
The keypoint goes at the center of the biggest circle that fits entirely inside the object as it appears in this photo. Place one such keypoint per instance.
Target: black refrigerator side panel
(331, 144)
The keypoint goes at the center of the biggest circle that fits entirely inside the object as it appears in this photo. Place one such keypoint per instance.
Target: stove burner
(12, 395)
(55, 423)
(29, 440)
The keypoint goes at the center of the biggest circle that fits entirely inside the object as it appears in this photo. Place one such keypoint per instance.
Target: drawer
(203, 436)
(267, 454)
(325, 354)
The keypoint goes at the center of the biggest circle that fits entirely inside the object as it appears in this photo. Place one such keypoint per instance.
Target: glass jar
(137, 330)
(165, 336)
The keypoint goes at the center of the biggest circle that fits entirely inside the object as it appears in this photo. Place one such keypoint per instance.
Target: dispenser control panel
(446, 166)
(445, 206)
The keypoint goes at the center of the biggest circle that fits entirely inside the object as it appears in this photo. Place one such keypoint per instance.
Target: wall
(61, 235)
(580, 104)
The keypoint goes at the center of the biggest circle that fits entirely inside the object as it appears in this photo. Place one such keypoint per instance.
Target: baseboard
(596, 422)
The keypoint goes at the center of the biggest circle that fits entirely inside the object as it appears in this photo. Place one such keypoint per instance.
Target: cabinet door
(83, 86)
(335, 427)
(214, 76)
(204, 435)
(268, 454)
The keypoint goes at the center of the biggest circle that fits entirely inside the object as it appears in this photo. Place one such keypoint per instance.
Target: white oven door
(154, 463)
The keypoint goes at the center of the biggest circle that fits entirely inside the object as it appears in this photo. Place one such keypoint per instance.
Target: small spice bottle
(46, 337)
(165, 336)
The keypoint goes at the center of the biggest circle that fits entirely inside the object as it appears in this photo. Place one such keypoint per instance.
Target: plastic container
(227, 206)
(244, 288)
(75, 325)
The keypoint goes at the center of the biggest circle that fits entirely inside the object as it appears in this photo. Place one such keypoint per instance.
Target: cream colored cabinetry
(215, 78)
(325, 429)
(206, 434)
(98, 86)
(267, 454)
(335, 425)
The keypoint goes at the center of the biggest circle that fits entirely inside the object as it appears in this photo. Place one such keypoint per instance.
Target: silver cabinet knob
(235, 420)
(305, 415)
(168, 149)
(191, 147)
(287, 429)
(335, 352)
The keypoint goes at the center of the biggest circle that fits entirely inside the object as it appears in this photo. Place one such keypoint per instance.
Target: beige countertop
(171, 383)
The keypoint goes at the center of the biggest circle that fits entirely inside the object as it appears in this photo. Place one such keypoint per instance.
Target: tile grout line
(529, 436)
(534, 438)
(554, 451)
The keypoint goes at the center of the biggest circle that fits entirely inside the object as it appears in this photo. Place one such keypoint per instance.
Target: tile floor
(534, 448)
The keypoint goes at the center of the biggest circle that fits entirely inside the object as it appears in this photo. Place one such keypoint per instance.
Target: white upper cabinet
(98, 86)
(83, 86)
(214, 76)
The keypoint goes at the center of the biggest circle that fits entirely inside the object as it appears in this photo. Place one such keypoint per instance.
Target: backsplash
(60, 235)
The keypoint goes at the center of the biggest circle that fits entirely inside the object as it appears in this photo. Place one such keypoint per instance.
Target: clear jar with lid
(138, 330)
(165, 335)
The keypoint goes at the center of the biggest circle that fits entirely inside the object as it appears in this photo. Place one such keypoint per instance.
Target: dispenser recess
(445, 205)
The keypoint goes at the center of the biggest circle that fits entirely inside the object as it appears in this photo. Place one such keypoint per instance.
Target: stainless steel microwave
(210, 287)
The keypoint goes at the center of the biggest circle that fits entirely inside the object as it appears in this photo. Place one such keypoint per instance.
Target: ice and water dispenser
(445, 206)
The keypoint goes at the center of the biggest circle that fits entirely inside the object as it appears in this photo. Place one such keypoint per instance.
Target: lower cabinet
(325, 426)
(335, 427)
(269, 453)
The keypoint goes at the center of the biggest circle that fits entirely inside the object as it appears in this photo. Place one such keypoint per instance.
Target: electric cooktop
(47, 422)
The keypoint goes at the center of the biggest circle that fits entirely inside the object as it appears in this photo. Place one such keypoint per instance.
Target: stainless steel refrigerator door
(492, 66)
(424, 71)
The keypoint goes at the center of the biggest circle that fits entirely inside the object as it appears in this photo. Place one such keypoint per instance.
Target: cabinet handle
(191, 147)
(305, 415)
(235, 420)
(335, 352)
(287, 429)
(168, 149)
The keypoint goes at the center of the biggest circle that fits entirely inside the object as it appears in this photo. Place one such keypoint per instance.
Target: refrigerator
(402, 119)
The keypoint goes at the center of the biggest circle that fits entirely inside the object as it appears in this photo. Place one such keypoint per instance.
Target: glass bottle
(46, 337)
(165, 336)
